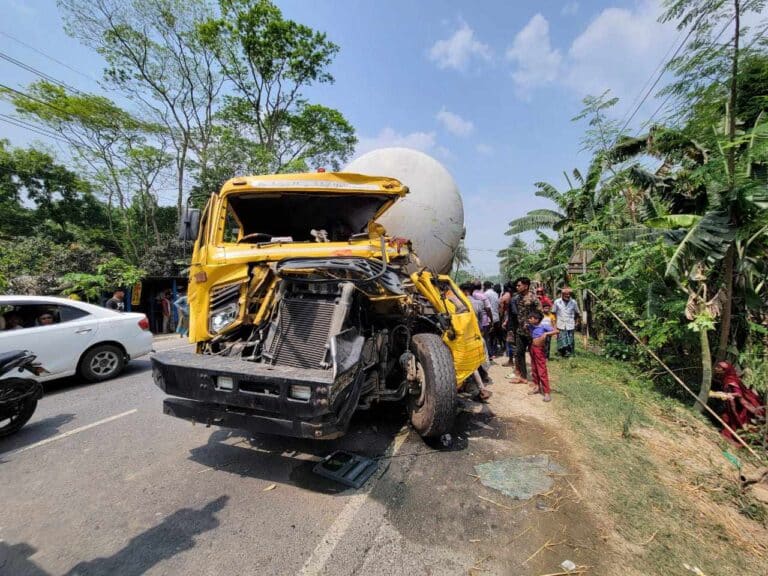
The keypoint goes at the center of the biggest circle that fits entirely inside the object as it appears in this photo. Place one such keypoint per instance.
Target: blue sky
(489, 88)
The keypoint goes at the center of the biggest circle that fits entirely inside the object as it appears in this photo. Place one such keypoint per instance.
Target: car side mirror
(189, 225)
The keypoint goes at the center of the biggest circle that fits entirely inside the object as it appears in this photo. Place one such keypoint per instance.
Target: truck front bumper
(234, 393)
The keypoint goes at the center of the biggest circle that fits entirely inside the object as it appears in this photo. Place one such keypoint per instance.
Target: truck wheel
(433, 410)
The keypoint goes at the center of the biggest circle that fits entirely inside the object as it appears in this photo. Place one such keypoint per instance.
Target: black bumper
(259, 400)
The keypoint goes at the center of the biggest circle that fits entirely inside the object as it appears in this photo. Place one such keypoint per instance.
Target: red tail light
(144, 323)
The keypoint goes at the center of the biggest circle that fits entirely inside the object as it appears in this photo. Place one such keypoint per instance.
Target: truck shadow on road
(175, 534)
(290, 461)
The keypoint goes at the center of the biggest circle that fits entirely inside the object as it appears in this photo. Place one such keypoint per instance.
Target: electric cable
(49, 57)
(33, 70)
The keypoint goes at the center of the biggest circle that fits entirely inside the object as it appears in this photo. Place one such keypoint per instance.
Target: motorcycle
(18, 396)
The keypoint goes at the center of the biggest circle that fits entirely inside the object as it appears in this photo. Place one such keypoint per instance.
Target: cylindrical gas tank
(431, 215)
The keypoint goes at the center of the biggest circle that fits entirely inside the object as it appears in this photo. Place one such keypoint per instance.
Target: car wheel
(433, 410)
(102, 363)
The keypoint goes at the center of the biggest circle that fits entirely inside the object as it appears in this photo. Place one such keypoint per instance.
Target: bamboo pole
(677, 379)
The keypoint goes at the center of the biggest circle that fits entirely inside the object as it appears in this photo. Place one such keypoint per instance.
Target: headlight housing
(225, 307)
(223, 317)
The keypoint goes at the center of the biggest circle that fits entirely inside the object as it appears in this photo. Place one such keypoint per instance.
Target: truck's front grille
(302, 334)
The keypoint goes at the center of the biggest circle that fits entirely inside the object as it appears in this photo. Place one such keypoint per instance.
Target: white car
(70, 337)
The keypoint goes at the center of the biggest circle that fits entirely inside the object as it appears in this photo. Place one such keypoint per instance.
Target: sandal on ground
(534, 391)
(547, 398)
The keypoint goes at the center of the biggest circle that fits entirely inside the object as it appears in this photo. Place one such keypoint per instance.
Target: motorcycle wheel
(14, 414)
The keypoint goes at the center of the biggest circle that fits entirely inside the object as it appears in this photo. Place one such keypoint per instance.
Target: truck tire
(433, 411)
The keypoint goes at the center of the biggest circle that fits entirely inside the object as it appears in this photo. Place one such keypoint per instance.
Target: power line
(37, 72)
(51, 58)
(659, 67)
(659, 77)
(669, 96)
(21, 124)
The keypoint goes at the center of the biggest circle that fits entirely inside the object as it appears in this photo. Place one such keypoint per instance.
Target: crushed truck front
(303, 310)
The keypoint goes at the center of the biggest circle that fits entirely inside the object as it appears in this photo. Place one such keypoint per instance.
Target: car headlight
(223, 317)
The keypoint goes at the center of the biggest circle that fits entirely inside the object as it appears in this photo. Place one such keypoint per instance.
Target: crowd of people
(181, 304)
(522, 322)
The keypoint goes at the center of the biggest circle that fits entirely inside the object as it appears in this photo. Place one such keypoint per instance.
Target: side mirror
(189, 226)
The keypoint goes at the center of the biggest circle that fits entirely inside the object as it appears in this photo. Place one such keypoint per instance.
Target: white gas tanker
(431, 216)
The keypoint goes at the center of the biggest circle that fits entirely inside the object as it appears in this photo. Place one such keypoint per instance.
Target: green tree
(269, 61)
(113, 147)
(705, 62)
(155, 56)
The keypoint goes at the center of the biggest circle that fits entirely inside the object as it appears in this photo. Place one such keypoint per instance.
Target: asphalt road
(100, 482)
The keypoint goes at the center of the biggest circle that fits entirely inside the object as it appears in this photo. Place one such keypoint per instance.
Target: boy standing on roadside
(539, 373)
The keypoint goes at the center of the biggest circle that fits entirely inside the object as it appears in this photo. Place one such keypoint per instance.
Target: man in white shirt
(493, 332)
(566, 310)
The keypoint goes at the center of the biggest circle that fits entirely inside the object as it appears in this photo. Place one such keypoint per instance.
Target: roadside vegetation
(194, 93)
(669, 226)
(658, 473)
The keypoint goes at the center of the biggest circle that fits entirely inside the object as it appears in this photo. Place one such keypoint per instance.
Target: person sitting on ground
(539, 373)
(742, 405)
(46, 318)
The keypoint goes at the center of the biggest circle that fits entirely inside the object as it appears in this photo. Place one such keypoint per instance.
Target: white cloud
(619, 50)
(424, 141)
(457, 51)
(569, 9)
(484, 149)
(537, 63)
(454, 123)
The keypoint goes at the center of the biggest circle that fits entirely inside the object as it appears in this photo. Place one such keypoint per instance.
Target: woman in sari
(742, 405)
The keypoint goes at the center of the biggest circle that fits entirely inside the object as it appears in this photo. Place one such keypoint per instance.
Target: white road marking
(70, 433)
(319, 558)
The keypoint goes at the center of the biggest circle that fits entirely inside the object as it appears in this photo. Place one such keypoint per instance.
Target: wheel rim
(104, 363)
(422, 384)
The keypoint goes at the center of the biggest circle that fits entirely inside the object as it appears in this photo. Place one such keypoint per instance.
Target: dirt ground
(487, 531)
(578, 518)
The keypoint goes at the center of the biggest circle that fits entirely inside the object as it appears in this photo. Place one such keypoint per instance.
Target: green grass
(604, 401)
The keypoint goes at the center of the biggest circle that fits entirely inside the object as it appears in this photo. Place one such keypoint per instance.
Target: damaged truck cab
(304, 311)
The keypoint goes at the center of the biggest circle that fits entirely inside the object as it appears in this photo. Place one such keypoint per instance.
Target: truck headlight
(223, 317)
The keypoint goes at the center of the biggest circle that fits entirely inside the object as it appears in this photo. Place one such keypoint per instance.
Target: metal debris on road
(521, 477)
(346, 468)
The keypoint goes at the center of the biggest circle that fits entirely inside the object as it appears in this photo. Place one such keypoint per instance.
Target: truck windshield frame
(300, 216)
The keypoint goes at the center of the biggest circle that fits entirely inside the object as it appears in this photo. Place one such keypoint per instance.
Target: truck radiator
(302, 332)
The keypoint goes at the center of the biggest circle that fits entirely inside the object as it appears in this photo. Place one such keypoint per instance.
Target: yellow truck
(303, 311)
